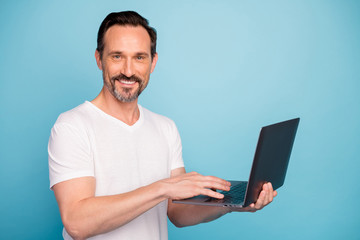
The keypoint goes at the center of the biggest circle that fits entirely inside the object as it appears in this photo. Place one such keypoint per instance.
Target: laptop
(270, 164)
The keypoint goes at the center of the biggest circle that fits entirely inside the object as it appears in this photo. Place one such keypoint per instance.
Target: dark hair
(125, 18)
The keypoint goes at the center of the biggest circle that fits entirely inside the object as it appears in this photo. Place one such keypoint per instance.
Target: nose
(128, 68)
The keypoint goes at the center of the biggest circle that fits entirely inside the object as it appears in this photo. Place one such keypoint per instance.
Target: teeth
(127, 82)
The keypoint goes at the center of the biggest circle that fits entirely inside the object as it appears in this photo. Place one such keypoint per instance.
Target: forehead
(127, 38)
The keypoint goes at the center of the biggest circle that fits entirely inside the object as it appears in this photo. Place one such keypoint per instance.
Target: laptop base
(233, 198)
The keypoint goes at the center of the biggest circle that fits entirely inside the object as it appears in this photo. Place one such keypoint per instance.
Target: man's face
(126, 61)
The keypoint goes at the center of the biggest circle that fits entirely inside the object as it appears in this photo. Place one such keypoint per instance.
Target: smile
(127, 82)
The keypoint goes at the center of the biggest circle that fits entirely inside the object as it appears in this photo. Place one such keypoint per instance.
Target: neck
(127, 112)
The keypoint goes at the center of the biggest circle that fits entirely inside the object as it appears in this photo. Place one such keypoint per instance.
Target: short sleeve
(176, 148)
(69, 154)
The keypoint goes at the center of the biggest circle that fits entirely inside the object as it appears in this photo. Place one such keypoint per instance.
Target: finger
(266, 189)
(260, 203)
(214, 185)
(251, 208)
(270, 193)
(219, 180)
(211, 182)
(211, 193)
(264, 194)
(198, 177)
(275, 193)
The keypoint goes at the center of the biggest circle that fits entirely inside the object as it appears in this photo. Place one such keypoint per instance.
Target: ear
(153, 62)
(98, 59)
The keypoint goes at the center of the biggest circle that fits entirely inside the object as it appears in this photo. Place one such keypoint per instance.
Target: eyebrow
(136, 54)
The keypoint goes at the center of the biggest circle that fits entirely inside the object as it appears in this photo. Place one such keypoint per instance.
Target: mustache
(123, 77)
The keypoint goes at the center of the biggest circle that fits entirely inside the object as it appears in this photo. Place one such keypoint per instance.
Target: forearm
(84, 215)
(96, 215)
(186, 215)
(182, 215)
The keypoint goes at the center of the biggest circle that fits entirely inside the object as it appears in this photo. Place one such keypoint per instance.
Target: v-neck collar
(136, 125)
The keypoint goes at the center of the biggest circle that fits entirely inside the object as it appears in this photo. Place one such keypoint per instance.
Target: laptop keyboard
(236, 193)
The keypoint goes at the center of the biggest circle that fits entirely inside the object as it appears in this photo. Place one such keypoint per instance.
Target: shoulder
(71, 128)
(77, 121)
(157, 118)
(75, 117)
(160, 122)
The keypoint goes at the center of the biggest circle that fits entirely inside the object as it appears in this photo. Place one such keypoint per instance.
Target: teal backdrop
(225, 69)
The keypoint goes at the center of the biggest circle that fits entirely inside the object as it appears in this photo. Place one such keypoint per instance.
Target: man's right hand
(193, 184)
(85, 215)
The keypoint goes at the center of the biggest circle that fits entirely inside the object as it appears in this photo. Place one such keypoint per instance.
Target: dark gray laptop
(270, 164)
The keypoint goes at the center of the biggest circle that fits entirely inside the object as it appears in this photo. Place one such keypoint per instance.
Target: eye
(139, 57)
(117, 56)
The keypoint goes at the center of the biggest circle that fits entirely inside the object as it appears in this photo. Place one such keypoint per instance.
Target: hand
(266, 196)
(193, 184)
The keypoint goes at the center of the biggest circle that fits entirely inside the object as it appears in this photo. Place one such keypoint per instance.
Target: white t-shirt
(86, 141)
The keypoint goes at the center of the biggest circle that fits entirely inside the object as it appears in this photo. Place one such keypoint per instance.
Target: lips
(127, 82)
(124, 80)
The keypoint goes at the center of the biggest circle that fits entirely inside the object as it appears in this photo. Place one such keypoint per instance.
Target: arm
(85, 215)
(182, 215)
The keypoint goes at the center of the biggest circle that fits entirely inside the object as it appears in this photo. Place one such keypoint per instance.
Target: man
(115, 167)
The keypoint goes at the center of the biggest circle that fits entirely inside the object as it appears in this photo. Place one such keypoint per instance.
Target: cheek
(143, 72)
(111, 71)
(111, 68)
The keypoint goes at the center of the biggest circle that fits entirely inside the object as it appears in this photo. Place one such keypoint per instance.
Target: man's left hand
(266, 196)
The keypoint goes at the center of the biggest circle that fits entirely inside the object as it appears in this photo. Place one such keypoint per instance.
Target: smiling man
(126, 61)
(115, 167)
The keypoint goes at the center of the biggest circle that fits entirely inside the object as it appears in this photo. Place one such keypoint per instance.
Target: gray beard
(123, 97)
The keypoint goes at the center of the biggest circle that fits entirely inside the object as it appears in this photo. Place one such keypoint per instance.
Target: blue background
(225, 69)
